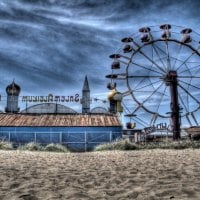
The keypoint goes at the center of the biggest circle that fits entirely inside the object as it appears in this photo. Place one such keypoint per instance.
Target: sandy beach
(152, 174)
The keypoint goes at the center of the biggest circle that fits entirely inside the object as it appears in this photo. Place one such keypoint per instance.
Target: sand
(149, 174)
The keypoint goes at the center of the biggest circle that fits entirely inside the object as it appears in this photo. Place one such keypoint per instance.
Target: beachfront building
(50, 122)
(79, 132)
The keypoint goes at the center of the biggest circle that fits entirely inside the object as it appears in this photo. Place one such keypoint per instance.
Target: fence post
(50, 137)
(9, 136)
(110, 136)
(35, 137)
(85, 141)
(60, 137)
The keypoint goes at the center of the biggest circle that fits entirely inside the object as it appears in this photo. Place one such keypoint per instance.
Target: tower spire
(86, 84)
(86, 96)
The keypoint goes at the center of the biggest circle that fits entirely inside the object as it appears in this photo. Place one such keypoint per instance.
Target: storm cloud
(50, 45)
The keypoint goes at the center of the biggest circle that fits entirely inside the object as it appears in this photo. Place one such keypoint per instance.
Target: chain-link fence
(77, 141)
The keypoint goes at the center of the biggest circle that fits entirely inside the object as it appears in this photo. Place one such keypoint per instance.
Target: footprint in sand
(27, 197)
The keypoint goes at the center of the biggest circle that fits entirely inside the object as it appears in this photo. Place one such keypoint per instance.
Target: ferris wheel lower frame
(162, 67)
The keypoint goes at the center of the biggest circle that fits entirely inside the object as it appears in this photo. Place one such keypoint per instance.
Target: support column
(175, 109)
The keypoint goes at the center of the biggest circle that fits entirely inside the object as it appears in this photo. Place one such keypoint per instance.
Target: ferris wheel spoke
(189, 84)
(152, 83)
(153, 45)
(146, 85)
(136, 119)
(190, 69)
(149, 69)
(164, 52)
(189, 77)
(188, 93)
(123, 62)
(129, 112)
(139, 122)
(188, 119)
(126, 108)
(194, 118)
(129, 92)
(187, 100)
(147, 76)
(152, 61)
(182, 102)
(176, 58)
(185, 61)
(161, 99)
(153, 119)
(155, 91)
(168, 57)
(187, 90)
(143, 79)
(149, 59)
(140, 82)
(189, 62)
(142, 121)
(136, 109)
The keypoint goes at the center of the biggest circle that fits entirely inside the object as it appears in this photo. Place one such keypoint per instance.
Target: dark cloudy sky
(50, 45)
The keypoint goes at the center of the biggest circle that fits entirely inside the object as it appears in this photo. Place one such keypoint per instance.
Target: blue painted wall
(75, 138)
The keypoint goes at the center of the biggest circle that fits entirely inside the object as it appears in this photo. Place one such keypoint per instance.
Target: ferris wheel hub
(170, 77)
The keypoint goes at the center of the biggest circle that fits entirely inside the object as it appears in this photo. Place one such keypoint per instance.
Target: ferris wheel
(157, 71)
